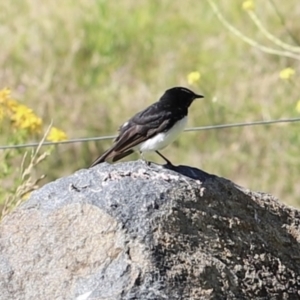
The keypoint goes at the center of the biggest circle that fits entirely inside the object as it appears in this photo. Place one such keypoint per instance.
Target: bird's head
(180, 96)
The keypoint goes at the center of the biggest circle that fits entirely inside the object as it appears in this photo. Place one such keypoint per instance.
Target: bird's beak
(198, 96)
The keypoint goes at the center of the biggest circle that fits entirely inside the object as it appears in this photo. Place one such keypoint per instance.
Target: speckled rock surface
(132, 231)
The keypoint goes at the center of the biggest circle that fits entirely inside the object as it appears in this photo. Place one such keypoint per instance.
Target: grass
(90, 65)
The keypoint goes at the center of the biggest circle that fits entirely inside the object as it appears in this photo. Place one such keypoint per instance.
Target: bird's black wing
(143, 126)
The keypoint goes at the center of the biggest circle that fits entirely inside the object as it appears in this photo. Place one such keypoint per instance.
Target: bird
(153, 128)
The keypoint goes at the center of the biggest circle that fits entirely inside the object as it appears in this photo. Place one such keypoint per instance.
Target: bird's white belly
(163, 139)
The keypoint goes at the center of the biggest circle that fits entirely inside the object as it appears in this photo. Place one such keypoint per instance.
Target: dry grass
(90, 64)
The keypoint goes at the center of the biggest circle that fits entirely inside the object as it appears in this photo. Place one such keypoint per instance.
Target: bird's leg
(167, 161)
(148, 163)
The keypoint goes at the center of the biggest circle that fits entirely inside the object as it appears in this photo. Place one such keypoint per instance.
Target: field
(89, 65)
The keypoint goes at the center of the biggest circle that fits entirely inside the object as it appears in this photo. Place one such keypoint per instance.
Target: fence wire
(109, 137)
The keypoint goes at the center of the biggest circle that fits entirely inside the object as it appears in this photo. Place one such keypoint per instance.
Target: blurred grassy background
(89, 65)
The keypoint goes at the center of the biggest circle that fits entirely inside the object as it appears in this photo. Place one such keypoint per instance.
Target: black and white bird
(153, 128)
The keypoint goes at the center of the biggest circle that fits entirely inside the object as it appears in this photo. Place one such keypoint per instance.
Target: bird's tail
(102, 158)
(121, 155)
(110, 153)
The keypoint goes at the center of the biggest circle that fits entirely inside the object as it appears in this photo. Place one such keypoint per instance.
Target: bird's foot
(168, 163)
(164, 158)
(146, 162)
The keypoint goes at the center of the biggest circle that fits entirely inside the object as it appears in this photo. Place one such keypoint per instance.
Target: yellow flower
(7, 104)
(248, 5)
(4, 95)
(24, 118)
(56, 135)
(21, 116)
(287, 73)
(1, 112)
(33, 123)
(12, 105)
(193, 77)
(298, 106)
(4, 99)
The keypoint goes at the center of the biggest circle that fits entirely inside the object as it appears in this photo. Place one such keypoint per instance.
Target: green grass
(89, 65)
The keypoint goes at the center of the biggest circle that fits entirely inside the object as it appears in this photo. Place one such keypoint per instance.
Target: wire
(109, 137)
(79, 140)
(254, 123)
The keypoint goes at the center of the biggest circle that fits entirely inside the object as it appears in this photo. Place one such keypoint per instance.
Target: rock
(132, 231)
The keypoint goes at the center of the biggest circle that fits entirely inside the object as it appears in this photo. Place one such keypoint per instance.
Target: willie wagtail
(153, 128)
